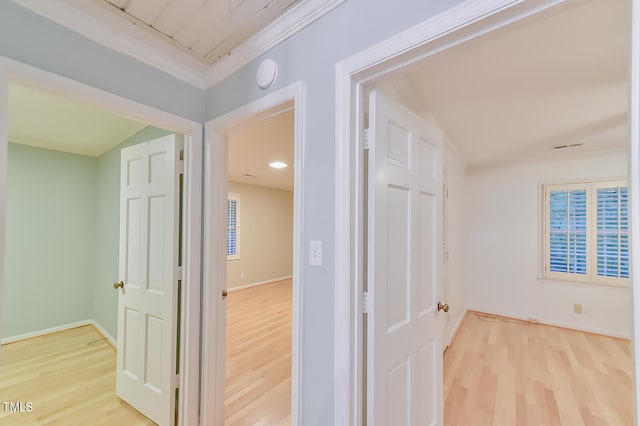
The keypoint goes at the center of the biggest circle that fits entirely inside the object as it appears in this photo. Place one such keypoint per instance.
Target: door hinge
(180, 273)
(366, 138)
(181, 167)
(176, 381)
(365, 303)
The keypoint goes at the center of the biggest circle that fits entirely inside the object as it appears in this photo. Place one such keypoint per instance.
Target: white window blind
(613, 232)
(568, 231)
(233, 228)
(587, 232)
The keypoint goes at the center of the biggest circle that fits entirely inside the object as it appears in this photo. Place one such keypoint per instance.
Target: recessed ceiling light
(278, 165)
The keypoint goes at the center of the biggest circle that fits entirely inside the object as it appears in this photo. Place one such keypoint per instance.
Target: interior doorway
(73, 213)
(259, 270)
(287, 102)
(363, 72)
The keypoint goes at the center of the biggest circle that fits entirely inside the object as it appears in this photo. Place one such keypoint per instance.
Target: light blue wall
(311, 56)
(104, 299)
(50, 239)
(30, 38)
(63, 219)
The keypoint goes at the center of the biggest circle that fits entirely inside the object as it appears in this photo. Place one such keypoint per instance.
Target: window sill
(583, 283)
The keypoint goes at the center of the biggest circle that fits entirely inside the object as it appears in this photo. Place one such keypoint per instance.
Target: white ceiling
(46, 120)
(208, 29)
(256, 144)
(558, 78)
(51, 121)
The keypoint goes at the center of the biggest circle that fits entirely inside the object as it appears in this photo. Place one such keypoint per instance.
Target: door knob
(118, 285)
(442, 307)
(224, 293)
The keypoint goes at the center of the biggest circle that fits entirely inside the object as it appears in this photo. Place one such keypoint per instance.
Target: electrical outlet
(577, 308)
(241, 274)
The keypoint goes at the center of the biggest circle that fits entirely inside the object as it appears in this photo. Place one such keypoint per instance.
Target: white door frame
(461, 23)
(215, 234)
(634, 184)
(14, 71)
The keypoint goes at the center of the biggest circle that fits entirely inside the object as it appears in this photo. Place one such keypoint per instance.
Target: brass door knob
(442, 307)
(118, 285)
(224, 293)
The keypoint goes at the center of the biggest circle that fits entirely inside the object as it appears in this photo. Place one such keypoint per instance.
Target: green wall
(50, 239)
(104, 300)
(63, 216)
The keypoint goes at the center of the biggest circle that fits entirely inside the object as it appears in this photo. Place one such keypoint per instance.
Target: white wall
(503, 247)
(265, 235)
(455, 285)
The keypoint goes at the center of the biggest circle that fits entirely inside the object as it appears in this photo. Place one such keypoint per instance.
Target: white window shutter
(568, 231)
(587, 232)
(613, 232)
(233, 220)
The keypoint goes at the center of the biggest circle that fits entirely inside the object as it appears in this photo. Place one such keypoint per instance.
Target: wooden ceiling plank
(212, 37)
(120, 4)
(248, 9)
(244, 24)
(145, 10)
(213, 15)
(176, 14)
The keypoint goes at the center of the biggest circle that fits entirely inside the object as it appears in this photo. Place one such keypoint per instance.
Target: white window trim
(236, 197)
(591, 277)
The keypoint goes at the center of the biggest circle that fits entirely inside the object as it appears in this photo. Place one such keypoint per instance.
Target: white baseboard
(455, 329)
(242, 287)
(64, 327)
(500, 314)
(45, 331)
(588, 329)
(104, 332)
(593, 330)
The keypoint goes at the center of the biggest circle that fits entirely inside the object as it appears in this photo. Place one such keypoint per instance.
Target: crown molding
(94, 21)
(106, 28)
(295, 19)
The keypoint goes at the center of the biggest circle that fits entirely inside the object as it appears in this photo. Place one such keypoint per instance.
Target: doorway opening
(62, 256)
(227, 163)
(570, 148)
(259, 270)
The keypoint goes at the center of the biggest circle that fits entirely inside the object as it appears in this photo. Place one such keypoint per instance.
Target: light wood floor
(500, 371)
(70, 379)
(258, 364)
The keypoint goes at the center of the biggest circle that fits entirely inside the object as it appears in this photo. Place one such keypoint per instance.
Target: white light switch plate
(315, 253)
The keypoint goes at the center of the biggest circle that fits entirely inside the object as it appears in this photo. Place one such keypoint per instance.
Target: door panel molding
(404, 264)
(148, 292)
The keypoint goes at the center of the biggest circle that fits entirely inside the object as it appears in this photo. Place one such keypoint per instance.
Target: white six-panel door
(147, 302)
(404, 327)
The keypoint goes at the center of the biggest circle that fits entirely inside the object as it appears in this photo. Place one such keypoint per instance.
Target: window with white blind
(233, 226)
(587, 232)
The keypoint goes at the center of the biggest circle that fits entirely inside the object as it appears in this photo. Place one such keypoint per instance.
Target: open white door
(147, 301)
(404, 338)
